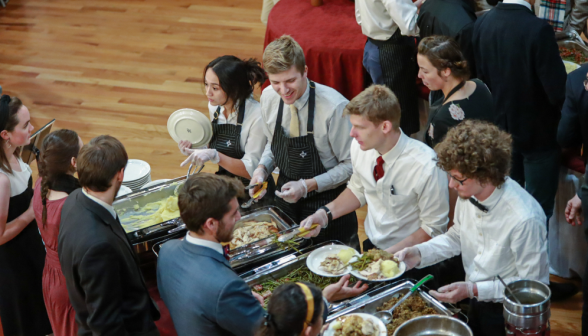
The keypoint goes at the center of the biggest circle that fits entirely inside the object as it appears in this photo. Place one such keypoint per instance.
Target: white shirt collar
(495, 197)
(518, 2)
(205, 243)
(301, 102)
(398, 148)
(106, 206)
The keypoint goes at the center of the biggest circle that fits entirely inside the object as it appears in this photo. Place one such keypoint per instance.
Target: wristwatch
(329, 214)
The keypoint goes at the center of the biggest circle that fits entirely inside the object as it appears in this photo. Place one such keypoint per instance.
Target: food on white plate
(336, 263)
(252, 231)
(377, 265)
(354, 325)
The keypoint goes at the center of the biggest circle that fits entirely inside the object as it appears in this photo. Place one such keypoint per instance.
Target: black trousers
(486, 319)
(584, 196)
(538, 173)
(415, 273)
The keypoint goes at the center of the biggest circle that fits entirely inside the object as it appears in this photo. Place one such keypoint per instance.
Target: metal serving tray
(573, 44)
(125, 207)
(368, 303)
(284, 265)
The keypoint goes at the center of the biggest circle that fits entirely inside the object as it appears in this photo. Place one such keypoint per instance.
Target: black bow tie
(478, 205)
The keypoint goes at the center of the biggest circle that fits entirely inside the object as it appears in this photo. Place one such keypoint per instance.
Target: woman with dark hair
(443, 68)
(238, 140)
(22, 255)
(57, 166)
(294, 309)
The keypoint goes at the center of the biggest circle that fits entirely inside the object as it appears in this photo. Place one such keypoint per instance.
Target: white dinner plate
(401, 267)
(154, 183)
(314, 260)
(191, 125)
(377, 322)
(136, 170)
(124, 190)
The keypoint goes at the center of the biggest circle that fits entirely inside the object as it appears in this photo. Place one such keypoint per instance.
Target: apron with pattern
(298, 158)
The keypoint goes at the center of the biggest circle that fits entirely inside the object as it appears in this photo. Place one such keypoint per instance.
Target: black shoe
(562, 291)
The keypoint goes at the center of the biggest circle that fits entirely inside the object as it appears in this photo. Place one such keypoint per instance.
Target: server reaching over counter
(498, 227)
(407, 195)
(238, 140)
(308, 139)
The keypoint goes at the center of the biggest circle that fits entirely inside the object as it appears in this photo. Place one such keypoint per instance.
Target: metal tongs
(177, 190)
(256, 195)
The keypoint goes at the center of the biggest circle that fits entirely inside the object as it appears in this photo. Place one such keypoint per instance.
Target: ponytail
(255, 71)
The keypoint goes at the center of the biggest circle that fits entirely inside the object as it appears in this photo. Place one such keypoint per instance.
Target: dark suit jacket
(103, 279)
(453, 18)
(573, 127)
(518, 58)
(204, 296)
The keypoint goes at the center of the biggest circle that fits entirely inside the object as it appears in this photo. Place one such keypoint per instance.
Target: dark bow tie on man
(478, 205)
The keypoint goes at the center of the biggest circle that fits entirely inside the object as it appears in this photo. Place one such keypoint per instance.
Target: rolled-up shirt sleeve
(404, 14)
(433, 203)
(529, 247)
(338, 130)
(267, 158)
(255, 145)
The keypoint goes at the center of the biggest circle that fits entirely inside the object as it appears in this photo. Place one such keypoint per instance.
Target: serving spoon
(386, 315)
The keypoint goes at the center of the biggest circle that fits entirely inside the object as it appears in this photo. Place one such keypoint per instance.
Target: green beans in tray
(302, 273)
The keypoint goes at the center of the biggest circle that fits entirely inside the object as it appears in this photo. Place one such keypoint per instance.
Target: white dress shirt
(420, 199)
(204, 243)
(509, 240)
(379, 19)
(106, 206)
(518, 2)
(331, 131)
(253, 139)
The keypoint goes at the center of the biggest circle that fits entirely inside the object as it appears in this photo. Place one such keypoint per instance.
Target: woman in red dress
(57, 166)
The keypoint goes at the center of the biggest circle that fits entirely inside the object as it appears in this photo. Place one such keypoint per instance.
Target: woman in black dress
(22, 254)
(454, 98)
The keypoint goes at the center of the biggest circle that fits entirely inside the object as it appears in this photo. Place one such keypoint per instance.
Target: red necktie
(379, 169)
(226, 249)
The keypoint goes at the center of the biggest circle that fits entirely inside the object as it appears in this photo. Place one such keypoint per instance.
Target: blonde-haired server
(308, 139)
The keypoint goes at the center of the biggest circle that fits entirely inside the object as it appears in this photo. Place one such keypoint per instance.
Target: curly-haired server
(498, 228)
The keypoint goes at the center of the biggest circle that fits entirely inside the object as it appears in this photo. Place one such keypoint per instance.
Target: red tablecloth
(330, 37)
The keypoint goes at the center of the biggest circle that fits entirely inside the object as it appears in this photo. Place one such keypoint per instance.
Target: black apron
(400, 71)
(298, 159)
(226, 139)
(22, 307)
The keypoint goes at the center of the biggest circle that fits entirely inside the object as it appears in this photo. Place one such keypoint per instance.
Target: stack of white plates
(137, 174)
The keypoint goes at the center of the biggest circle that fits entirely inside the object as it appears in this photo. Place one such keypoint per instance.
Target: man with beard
(204, 296)
(499, 228)
(103, 279)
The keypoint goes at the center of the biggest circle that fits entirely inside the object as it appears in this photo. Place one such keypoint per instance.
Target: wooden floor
(122, 67)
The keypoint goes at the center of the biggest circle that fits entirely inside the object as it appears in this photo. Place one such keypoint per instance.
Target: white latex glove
(454, 292)
(293, 191)
(184, 146)
(319, 217)
(410, 255)
(200, 156)
(259, 175)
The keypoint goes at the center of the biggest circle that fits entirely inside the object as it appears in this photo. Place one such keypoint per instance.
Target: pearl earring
(9, 144)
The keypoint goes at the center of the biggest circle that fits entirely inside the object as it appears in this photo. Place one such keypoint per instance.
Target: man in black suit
(573, 134)
(103, 279)
(452, 18)
(518, 58)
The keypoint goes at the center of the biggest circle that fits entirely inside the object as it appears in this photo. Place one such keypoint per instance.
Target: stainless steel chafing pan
(573, 44)
(368, 304)
(283, 266)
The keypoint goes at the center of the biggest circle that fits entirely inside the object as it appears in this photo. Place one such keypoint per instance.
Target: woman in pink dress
(57, 166)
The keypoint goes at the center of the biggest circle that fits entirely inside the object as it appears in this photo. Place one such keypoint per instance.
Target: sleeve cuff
(359, 195)
(487, 291)
(323, 182)
(428, 230)
(427, 255)
(268, 163)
